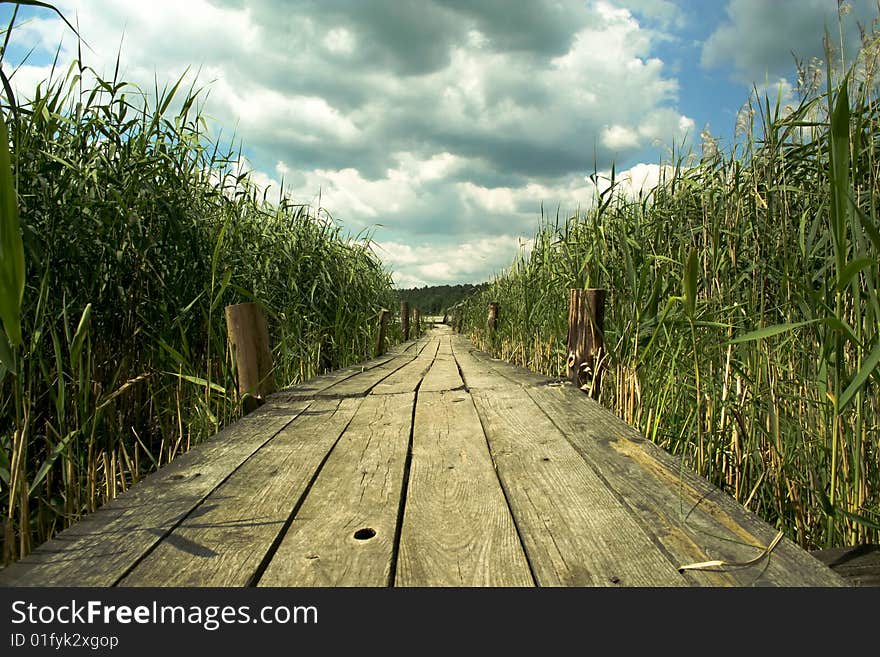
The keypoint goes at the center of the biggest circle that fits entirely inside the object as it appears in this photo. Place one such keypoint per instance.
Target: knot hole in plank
(364, 534)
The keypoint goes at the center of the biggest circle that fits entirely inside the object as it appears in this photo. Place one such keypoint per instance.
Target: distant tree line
(435, 299)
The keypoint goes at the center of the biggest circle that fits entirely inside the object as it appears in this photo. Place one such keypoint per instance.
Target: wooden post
(417, 322)
(493, 317)
(586, 345)
(383, 327)
(404, 319)
(249, 344)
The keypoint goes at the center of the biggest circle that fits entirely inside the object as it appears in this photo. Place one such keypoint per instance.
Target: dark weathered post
(417, 322)
(404, 319)
(249, 345)
(586, 345)
(492, 321)
(383, 328)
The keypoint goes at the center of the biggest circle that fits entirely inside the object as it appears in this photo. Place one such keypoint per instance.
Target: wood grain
(511, 480)
(344, 532)
(575, 531)
(444, 374)
(99, 550)
(408, 377)
(310, 389)
(858, 564)
(363, 383)
(689, 517)
(457, 529)
(484, 372)
(695, 520)
(223, 541)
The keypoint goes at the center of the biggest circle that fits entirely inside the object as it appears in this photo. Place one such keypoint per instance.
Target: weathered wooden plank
(457, 529)
(692, 519)
(575, 531)
(224, 540)
(344, 532)
(484, 372)
(407, 347)
(309, 389)
(317, 384)
(444, 374)
(661, 495)
(477, 375)
(408, 377)
(696, 520)
(361, 384)
(858, 564)
(101, 548)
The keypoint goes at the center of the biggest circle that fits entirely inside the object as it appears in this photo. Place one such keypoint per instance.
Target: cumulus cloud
(449, 263)
(441, 121)
(759, 37)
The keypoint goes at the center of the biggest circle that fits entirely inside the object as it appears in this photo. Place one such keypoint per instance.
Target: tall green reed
(136, 228)
(743, 321)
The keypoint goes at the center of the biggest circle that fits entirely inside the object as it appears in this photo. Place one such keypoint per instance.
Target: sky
(442, 127)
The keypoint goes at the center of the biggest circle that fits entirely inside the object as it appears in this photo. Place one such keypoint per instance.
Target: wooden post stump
(586, 346)
(492, 321)
(404, 319)
(249, 345)
(417, 322)
(383, 328)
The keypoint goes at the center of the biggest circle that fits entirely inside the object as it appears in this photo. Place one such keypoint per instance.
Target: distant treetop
(436, 299)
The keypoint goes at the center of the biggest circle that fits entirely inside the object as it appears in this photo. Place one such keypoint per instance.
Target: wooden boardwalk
(433, 465)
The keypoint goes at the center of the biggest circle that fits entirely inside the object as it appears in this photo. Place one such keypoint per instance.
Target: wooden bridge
(433, 465)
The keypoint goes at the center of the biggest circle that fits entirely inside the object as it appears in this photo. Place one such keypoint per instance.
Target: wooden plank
(310, 389)
(656, 505)
(575, 531)
(477, 375)
(482, 372)
(444, 374)
(406, 347)
(344, 532)
(408, 377)
(859, 564)
(360, 385)
(101, 548)
(694, 520)
(224, 540)
(457, 529)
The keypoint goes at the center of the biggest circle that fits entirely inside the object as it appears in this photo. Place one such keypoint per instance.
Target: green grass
(135, 231)
(743, 318)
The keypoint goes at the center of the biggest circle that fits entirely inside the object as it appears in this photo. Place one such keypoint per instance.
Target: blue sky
(444, 125)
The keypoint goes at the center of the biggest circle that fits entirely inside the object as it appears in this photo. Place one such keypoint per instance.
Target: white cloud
(340, 41)
(497, 199)
(617, 137)
(633, 183)
(310, 118)
(470, 142)
(759, 38)
(468, 261)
